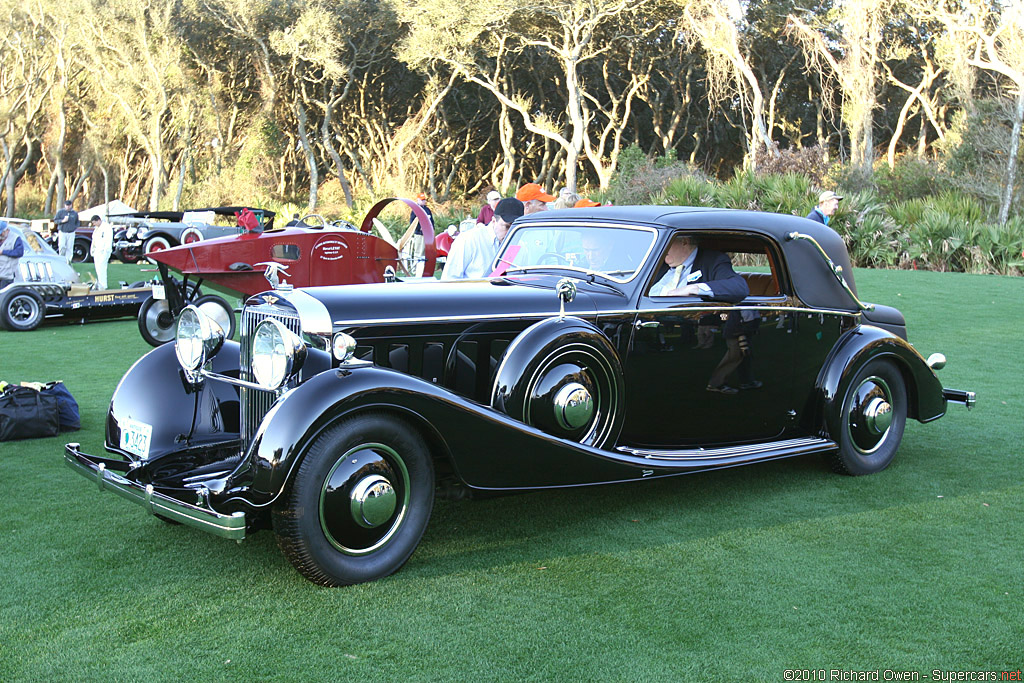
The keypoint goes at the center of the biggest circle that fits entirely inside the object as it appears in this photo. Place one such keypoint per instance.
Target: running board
(738, 454)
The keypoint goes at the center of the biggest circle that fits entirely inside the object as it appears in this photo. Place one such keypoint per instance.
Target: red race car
(309, 254)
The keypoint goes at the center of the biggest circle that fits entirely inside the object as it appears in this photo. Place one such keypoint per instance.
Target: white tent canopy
(114, 208)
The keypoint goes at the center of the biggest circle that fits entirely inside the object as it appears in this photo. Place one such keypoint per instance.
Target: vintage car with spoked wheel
(343, 411)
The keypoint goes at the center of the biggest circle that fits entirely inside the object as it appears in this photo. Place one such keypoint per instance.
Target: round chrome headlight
(197, 339)
(277, 354)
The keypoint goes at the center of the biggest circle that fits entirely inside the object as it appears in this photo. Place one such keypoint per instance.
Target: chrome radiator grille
(254, 402)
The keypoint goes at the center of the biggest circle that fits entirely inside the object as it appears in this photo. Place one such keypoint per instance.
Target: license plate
(135, 437)
(158, 292)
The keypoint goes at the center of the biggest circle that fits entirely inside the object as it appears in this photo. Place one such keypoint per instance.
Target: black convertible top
(812, 279)
(176, 216)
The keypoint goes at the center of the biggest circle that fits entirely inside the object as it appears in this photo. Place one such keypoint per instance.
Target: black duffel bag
(27, 414)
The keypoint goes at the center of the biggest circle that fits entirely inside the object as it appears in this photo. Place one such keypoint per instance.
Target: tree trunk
(181, 178)
(8, 177)
(314, 175)
(900, 123)
(327, 139)
(575, 110)
(1011, 164)
(506, 135)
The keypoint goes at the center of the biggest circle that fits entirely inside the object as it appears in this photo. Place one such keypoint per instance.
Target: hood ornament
(566, 290)
(274, 273)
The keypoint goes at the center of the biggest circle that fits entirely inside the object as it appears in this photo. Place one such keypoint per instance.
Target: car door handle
(647, 324)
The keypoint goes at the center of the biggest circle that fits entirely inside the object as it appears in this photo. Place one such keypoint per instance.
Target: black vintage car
(343, 411)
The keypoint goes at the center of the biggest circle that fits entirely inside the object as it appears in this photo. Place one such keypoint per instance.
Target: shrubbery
(889, 219)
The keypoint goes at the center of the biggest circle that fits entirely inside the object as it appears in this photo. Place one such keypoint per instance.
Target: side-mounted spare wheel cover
(563, 376)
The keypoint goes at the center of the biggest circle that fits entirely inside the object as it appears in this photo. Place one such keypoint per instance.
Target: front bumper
(200, 516)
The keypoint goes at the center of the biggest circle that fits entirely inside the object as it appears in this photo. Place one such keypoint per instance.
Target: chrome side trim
(803, 445)
(551, 314)
(836, 270)
(226, 526)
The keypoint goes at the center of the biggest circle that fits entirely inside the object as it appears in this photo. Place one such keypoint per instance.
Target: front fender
(866, 343)
(154, 392)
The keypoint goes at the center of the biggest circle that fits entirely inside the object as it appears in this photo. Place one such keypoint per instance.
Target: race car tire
(156, 322)
(218, 309)
(21, 310)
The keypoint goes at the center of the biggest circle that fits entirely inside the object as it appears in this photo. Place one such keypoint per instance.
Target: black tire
(368, 466)
(22, 310)
(124, 256)
(873, 416)
(156, 321)
(80, 251)
(138, 284)
(218, 309)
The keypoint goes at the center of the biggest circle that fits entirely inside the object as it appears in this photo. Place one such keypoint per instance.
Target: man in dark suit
(693, 271)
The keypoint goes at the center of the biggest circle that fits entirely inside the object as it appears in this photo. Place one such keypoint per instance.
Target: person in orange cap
(585, 204)
(534, 198)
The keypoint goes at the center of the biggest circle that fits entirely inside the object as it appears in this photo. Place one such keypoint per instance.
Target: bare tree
(846, 46)
(26, 66)
(468, 37)
(986, 36)
(713, 24)
(134, 58)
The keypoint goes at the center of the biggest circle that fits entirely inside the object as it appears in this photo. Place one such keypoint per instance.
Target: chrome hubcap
(364, 499)
(870, 415)
(877, 415)
(373, 500)
(574, 406)
(22, 308)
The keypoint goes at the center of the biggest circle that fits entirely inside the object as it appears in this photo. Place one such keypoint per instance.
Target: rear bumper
(200, 516)
(967, 398)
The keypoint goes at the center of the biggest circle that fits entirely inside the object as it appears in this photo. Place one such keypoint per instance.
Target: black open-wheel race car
(46, 288)
(590, 356)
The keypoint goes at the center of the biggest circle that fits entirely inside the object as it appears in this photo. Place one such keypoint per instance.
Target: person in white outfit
(102, 245)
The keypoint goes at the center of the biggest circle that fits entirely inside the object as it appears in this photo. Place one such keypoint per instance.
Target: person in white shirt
(699, 272)
(473, 252)
(102, 245)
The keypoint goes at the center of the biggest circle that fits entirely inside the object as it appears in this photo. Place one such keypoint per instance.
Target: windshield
(34, 243)
(615, 252)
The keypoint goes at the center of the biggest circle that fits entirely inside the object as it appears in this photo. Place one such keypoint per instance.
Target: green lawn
(733, 575)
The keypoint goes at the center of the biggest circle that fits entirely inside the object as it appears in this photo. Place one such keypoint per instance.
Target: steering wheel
(552, 259)
(318, 221)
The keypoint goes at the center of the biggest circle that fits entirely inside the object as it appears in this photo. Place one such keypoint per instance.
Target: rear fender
(861, 345)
